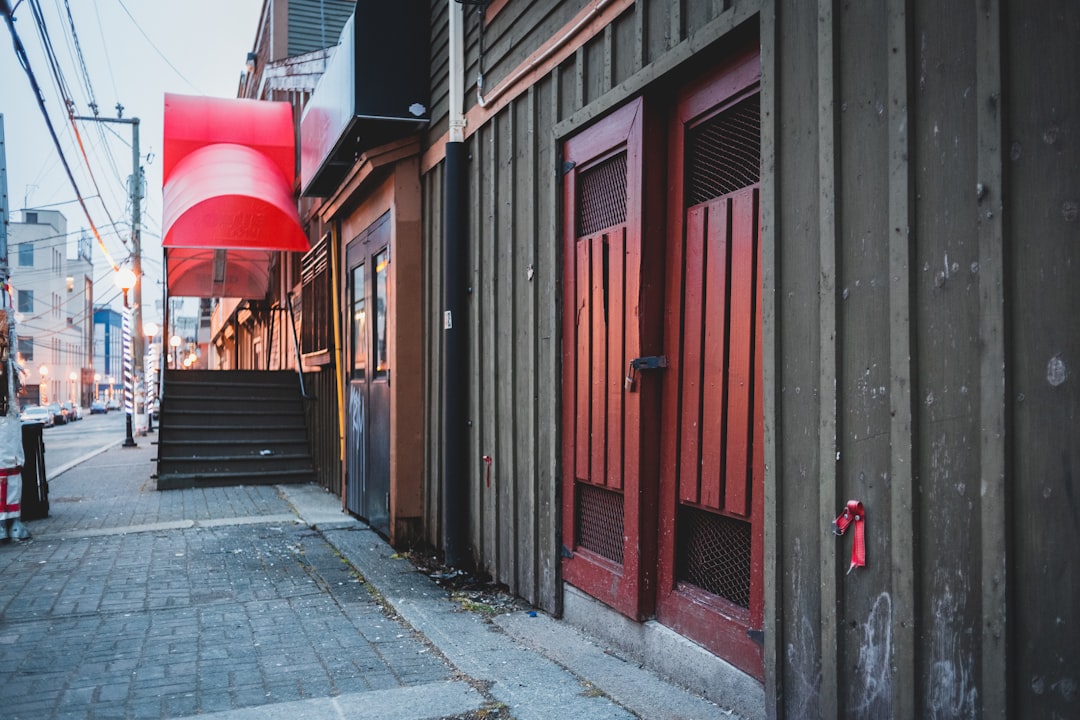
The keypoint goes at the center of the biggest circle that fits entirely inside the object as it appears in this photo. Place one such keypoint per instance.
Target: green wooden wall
(920, 187)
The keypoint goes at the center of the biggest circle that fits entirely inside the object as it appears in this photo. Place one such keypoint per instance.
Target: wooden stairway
(231, 427)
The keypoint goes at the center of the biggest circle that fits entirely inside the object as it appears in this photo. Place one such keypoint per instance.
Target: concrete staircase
(231, 427)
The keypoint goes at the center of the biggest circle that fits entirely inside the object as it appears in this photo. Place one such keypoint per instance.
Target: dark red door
(609, 462)
(712, 468)
(662, 466)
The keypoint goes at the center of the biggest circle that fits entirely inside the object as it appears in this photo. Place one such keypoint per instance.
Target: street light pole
(136, 329)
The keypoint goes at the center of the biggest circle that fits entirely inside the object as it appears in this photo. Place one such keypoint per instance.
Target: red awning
(229, 171)
(230, 196)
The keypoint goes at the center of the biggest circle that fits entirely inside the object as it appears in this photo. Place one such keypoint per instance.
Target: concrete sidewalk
(271, 602)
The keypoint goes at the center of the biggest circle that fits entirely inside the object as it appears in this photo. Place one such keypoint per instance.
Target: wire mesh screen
(602, 196)
(598, 521)
(714, 554)
(724, 153)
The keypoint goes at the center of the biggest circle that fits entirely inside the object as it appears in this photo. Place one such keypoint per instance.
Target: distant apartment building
(108, 352)
(53, 293)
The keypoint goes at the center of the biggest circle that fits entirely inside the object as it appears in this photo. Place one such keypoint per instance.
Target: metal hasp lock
(648, 362)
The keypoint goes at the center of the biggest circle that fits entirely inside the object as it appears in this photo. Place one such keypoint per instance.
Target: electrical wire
(82, 60)
(24, 61)
(156, 49)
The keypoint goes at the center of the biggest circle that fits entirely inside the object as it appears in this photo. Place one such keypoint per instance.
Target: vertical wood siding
(323, 428)
(1034, 184)
(920, 195)
(514, 270)
(924, 224)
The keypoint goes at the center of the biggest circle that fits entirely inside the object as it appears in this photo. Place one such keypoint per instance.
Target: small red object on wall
(855, 514)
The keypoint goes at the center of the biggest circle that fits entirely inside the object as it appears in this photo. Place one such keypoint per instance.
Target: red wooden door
(710, 555)
(609, 470)
(663, 471)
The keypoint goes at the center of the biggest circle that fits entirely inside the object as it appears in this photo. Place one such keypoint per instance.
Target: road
(64, 444)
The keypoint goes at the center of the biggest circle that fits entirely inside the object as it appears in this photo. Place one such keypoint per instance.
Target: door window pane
(359, 321)
(382, 301)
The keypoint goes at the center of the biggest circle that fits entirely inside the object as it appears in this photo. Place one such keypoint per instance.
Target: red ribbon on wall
(855, 514)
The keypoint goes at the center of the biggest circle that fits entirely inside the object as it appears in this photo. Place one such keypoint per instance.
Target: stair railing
(296, 347)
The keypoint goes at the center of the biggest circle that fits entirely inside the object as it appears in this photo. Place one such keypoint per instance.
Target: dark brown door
(368, 403)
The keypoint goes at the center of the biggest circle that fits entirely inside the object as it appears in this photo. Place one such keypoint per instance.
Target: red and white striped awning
(228, 201)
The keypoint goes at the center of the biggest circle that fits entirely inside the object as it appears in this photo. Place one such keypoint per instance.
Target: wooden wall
(921, 200)
(513, 223)
(321, 414)
(921, 227)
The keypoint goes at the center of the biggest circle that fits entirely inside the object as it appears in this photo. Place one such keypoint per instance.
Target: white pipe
(457, 72)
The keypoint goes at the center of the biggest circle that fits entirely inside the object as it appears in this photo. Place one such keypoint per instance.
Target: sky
(133, 52)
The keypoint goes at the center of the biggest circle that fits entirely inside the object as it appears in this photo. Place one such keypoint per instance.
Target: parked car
(71, 411)
(58, 415)
(37, 414)
(112, 404)
(98, 407)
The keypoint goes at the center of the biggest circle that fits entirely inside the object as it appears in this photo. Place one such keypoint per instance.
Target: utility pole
(3, 206)
(137, 341)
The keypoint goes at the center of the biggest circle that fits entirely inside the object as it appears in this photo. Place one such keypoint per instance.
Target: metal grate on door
(724, 153)
(601, 191)
(714, 554)
(598, 521)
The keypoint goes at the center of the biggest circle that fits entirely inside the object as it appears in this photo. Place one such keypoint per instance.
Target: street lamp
(125, 280)
(44, 394)
(72, 377)
(174, 343)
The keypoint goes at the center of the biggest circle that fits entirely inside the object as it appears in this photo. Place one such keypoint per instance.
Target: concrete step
(179, 481)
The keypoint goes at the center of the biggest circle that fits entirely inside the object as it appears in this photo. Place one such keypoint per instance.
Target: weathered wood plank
(774, 581)
(994, 661)
(693, 334)
(715, 370)
(546, 281)
(945, 322)
(526, 377)
(1040, 211)
(827, 457)
(487, 522)
(805, 557)
(616, 357)
(866, 600)
(503, 317)
(740, 371)
(583, 332)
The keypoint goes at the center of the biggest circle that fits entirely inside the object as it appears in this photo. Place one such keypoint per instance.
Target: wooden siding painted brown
(856, 197)
(953, 409)
(514, 268)
(1030, 222)
(322, 422)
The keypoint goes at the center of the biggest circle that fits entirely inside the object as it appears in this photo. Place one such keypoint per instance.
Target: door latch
(648, 362)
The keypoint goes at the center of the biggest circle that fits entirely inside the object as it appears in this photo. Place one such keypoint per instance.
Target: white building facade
(52, 292)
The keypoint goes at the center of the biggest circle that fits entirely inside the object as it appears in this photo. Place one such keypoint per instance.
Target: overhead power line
(24, 61)
(156, 49)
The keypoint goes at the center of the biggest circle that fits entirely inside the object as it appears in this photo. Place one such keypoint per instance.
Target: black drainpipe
(455, 364)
